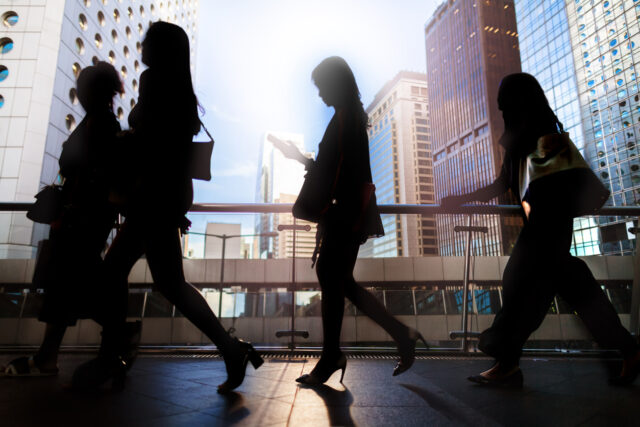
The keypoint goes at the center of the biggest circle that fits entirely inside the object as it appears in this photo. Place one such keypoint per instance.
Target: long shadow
(234, 409)
(443, 406)
(338, 403)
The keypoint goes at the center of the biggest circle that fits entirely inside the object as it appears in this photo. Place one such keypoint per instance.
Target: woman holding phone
(342, 172)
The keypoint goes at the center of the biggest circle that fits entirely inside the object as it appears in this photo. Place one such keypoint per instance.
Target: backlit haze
(253, 74)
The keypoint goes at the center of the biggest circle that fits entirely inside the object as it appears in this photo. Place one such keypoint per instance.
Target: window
(9, 19)
(73, 96)
(101, 19)
(98, 41)
(70, 122)
(82, 20)
(79, 46)
(1, 101)
(6, 45)
(76, 69)
(116, 15)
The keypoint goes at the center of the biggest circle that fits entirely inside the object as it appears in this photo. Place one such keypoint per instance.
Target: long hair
(168, 54)
(334, 74)
(525, 108)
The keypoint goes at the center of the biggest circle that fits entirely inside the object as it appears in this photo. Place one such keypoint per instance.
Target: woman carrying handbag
(338, 194)
(159, 193)
(546, 172)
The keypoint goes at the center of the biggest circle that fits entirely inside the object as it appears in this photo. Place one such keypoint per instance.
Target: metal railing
(414, 209)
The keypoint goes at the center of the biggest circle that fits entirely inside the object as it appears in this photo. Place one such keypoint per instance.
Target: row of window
(9, 19)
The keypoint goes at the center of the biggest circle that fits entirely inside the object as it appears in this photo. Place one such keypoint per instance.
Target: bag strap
(213, 142)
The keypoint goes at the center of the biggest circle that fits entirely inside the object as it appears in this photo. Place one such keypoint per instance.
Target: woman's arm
(484, 194)
(290, 151)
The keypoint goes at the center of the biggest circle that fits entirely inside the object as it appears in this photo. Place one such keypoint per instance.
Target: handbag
(556, 173)
(200, 157)
(48, 206)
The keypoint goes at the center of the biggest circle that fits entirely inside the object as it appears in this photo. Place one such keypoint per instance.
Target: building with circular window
(79, 34)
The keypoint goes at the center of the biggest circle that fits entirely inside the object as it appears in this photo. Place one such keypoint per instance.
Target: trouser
(160, 243)
(75, 270)
(336, 260)
(540, 267)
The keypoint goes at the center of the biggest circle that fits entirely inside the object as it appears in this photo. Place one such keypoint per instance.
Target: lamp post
(224, 238)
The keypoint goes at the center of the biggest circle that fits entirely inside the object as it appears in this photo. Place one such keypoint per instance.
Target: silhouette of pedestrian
(541, 264)
(342, 172)
(79, 236)
(158, 195)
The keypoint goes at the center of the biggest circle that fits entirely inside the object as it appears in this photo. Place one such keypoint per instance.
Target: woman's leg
(335, 273)
(583, 293)
(164, 255)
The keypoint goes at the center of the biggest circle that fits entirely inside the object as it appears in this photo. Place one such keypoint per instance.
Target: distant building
(276, 175)
(401, 165)
(43, 48)
(470, 47)
(305, 240)
(213, 245)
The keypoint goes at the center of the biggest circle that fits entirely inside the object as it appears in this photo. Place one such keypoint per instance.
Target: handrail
(414, 209)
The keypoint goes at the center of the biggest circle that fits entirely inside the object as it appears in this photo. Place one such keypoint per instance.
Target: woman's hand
(288, 149)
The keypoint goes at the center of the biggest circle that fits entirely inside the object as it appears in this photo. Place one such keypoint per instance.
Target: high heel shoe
(236, 360)
(631, 371)
(407, 351)
(323, 371)
(511, 379)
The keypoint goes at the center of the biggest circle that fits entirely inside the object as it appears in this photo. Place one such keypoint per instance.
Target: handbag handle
(213, 142)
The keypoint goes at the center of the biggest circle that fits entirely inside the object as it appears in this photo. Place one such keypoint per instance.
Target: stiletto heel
(407, 351)
(323, 371)
(255, 359)
(236, 362)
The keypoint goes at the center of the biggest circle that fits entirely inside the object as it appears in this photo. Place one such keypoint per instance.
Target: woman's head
(525, 107)
(166, 45)
(165, 49)
(336, 83)
(97, 85)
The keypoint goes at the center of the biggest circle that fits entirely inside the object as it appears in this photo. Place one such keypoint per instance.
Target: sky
(253, 74)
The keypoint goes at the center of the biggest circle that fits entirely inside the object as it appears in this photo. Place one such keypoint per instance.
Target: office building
(470, 46)
(401, 165)
(213, 244)
(605, 44)
(43, 47)
(305, 241)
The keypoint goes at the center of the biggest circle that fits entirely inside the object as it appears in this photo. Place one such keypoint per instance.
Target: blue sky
(253, 67)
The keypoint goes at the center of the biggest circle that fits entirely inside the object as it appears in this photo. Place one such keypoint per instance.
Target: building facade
(305, 241)
(605, 43)
(44, 46)
(401, 165)
(470, 46)
(546, 52)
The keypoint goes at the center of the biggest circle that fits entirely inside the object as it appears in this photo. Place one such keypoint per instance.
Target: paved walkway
(181, 391)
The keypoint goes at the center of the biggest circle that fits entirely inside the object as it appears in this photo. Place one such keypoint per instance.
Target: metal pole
(465, 287)
(224, 247)
(635, 289)
(293, 288)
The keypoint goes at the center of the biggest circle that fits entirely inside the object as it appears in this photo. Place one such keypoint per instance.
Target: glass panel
(33, 304)
(400, 302)
(308, 303)
(157, 306)
(10, 304)
(429, 302)
(487, 301)
(621, 299)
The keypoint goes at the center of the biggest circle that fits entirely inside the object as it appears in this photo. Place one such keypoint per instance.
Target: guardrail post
(465, 288)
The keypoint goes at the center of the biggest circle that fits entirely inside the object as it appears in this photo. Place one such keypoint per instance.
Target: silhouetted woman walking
(160, 192)
(538, 169)
(342, 170)
(79, 236)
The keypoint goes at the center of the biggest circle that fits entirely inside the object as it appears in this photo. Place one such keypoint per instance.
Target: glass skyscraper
(584, 54)
(546, 53)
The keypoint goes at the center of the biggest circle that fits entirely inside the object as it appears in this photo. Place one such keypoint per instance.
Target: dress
(79, 238)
